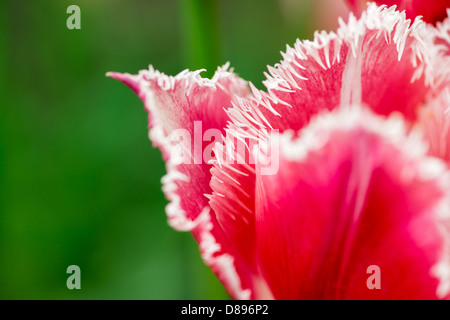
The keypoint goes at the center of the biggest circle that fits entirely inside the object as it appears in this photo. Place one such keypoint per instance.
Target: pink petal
(233, 203)
(191, 103)
(431, 11)
(434, 113)
(440, 36)
(178, 103)
(382, 60)
(435, 121)
(354, 191)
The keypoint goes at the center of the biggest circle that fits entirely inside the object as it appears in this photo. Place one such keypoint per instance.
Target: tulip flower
(358, 203)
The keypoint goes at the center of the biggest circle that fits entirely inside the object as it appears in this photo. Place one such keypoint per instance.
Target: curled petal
(354, 191)
(194, 106)
(233, 203)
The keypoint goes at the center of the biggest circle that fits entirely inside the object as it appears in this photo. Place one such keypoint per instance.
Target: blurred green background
(79, 179)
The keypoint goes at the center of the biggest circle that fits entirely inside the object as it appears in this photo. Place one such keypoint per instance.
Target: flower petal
(434, 114)
(382, 60)
(188, 105)
(233, 204)
(435, 120)
(431, 11)
(185, 102)
(353, 191)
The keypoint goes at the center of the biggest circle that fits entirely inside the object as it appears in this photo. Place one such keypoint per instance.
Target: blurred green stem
(200, 30)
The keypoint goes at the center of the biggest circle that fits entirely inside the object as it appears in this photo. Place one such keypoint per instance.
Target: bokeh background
(79, 179)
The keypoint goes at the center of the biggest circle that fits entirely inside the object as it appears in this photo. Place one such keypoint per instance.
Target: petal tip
(127, 79)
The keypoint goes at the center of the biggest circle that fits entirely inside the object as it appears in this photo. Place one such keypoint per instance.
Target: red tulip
(355, 204)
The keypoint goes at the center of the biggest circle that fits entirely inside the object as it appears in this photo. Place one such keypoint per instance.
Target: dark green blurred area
(79, 179)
